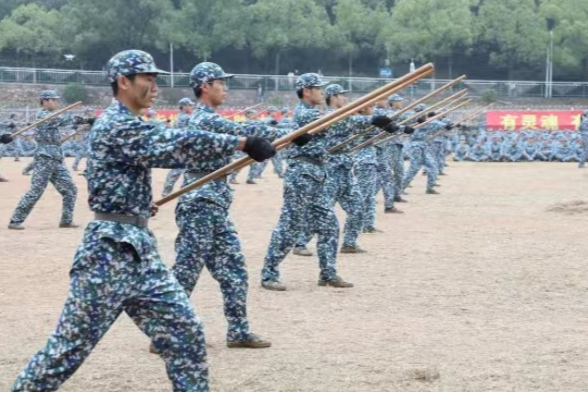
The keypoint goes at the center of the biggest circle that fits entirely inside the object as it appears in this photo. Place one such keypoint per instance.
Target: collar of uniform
(304, 104)
(203, 107)
(121, 108)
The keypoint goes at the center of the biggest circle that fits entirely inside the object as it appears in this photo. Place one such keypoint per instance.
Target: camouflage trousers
(170, 180)
(47, 170)
(397, 166)
(420, 157)
(81, 153)
(207, 237)
(259, 168)
(343, 188)
(29, 167)
(304, 203)
(439, 153)
(110, 275)
(584, 155)
(367, 176)
(385, 179)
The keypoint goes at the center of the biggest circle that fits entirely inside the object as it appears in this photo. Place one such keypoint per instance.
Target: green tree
(570, 30)
(428, 29)
(32, 29)
(512, 32)
(276, 26)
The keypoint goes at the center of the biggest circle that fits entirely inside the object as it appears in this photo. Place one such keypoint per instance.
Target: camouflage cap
(334, 90)
(285, 110)
(207, 72)
(131, 62)
(272, 109)
(48, 95)
(310, 80)
(420, 107)
(88, 110)
(185, 102)
(394, 98)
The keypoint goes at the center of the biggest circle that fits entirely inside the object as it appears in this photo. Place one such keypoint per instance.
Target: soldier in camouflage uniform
(341, 185)
(14, 149)
(584, 138)
(117, 266)
(49, 166)
(84, 145)
(304, 182)
(421, 156)
(186, 110)
(397, 148)
(207, 235)
(385, 175)
(5, 139)
(272, 121)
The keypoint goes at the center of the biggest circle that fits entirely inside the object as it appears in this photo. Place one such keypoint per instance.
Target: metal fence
(502, 89)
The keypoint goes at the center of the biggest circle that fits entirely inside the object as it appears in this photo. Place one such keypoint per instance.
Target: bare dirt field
(483, 288)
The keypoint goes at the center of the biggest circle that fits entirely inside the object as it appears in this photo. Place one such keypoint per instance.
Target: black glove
(5, 138)
(77, 120)
(302, 140)
(273, 122)
(458, 125)
(90, 121)
(392, 127)
(259, 149)
(12, 125)
(431, 114)
(449, 126)
(381, 121)
(409, 130)
(421, 119)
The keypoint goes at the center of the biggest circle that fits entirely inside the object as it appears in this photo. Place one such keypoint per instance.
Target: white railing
(502, 89)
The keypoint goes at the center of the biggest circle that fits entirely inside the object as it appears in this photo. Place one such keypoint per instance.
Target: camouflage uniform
(207, 235)
(341, 186)
(584, 136)
(84, 145)
(49, 166)
(366, 171)
(117, 267)
(384, 169)
(421, 156)
(181, 123)
(305, 198)
(396, 151)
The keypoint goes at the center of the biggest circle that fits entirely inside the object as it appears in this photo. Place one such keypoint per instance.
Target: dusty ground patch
(476, 289)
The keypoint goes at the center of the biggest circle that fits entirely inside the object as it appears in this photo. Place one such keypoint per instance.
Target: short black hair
(328, 100)
(299, 93)
(114, 85)
(198, 91)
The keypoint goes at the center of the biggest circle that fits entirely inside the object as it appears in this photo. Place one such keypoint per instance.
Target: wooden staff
(438, 116)
(465, 103)
(243, 111)
(333, 117)
(384, 136)
(359, 108)
(474, 113)
(55, 114)
(76, 133)
(399, 113)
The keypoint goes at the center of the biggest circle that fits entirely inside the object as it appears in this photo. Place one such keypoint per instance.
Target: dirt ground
(483, 288)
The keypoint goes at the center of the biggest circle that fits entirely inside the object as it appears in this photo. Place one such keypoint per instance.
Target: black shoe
(69, 225)
(336, 282)
(399, 200)
(393, 210)
(432, 191)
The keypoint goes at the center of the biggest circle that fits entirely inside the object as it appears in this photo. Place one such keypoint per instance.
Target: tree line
(486, 39)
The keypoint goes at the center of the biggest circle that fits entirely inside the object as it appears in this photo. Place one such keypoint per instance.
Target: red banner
(530, 120)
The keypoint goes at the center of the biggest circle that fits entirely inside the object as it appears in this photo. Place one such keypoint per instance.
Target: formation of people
(522, 146)
(117, 267)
